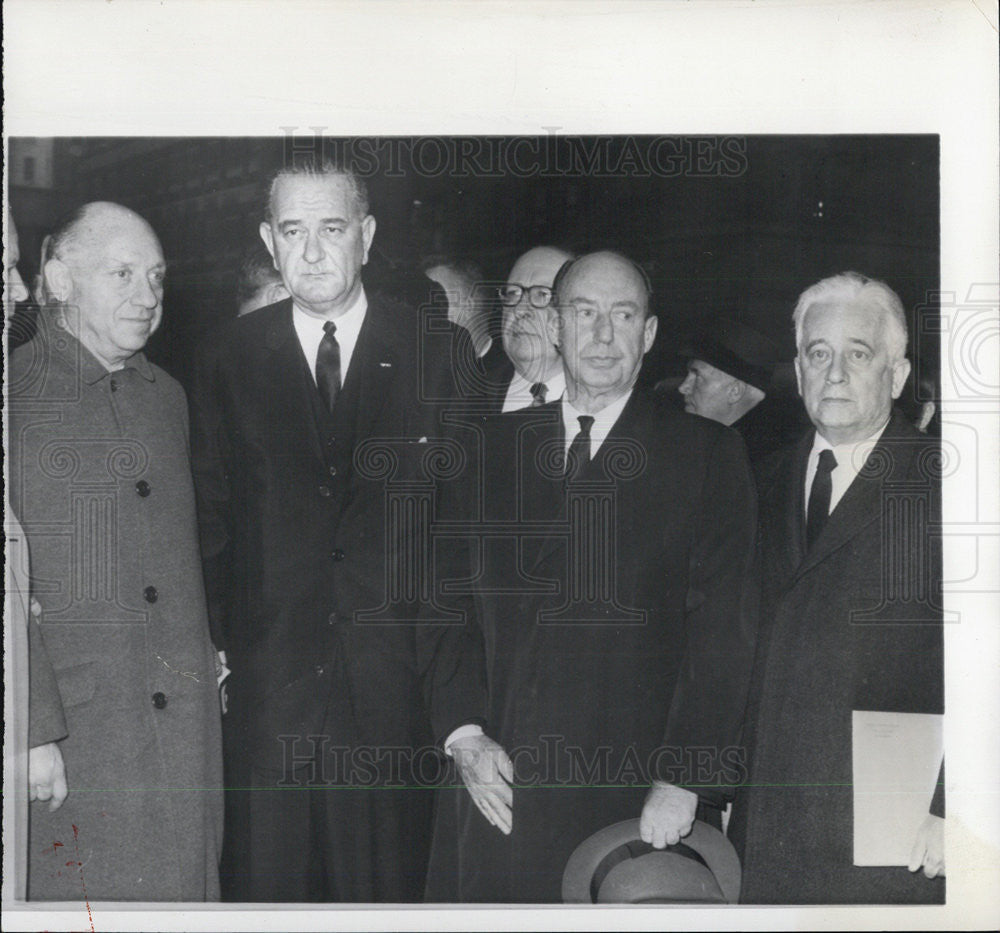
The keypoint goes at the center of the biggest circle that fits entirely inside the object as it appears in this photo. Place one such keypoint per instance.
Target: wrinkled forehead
(327, 195)
(844, 320)
(131, 242)
(607, 281)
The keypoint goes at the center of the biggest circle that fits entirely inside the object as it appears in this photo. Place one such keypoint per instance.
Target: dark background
(735, 226)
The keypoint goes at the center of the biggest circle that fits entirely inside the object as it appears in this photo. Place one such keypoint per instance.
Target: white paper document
(897, 757)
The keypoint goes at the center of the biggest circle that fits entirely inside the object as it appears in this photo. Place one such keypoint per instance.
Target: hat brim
(713, 847)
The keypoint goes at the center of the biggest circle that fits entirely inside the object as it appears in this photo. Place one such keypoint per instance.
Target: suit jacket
(489, 377)
(618, 629)
(853, 623)
(312, 536)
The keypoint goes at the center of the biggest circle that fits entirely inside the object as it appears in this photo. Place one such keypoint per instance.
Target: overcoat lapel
(631, 426)
(861, 504)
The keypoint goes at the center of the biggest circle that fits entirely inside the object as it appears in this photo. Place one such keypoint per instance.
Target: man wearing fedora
(607, 562)
(729, 379)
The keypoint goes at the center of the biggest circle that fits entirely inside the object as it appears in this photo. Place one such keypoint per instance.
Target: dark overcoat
(313, 535)
(853, 623)
(100, 477)
(618, 627)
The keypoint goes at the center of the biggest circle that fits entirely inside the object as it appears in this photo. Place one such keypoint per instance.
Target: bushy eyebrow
(285, 224)
(822, 341)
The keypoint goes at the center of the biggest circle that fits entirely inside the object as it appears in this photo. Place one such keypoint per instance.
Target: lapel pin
(386, 365)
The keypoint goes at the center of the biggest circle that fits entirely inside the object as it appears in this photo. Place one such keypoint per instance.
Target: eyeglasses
(539, 296)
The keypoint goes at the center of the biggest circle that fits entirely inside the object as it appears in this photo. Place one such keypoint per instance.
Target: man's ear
(900, 371)
(649, 332)
(367, 235)
(268, 237)
(736, 390)
(553, 324)
(58, 280)
(798, 374)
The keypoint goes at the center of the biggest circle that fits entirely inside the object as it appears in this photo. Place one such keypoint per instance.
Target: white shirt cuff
(462, 732)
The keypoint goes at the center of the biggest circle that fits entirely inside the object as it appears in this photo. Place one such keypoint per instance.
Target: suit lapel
(374, 367)
(286, 374)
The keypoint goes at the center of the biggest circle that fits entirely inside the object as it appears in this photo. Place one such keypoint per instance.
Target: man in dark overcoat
(850, 610)
(315, 445)
(606, 556)
(100, 478)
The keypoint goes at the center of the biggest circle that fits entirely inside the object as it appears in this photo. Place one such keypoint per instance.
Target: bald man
(611, 551)
(524, 369)
(101, 481)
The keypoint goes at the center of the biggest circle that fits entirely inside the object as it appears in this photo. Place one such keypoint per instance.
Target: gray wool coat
(100, 477)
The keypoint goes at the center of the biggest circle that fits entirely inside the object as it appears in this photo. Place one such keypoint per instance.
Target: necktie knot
(827, 462)
(538, 391)
(586, 423)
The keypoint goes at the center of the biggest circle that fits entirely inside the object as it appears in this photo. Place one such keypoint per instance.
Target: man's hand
(47, 775)
(928, 848)
(667, 815)
(487, 773)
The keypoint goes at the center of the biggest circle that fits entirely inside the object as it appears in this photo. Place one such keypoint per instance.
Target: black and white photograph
(498, 511)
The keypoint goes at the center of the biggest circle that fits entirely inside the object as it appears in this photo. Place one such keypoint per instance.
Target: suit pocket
(77, 683)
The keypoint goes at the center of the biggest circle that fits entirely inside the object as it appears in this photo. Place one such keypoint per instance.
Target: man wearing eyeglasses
(526, 370)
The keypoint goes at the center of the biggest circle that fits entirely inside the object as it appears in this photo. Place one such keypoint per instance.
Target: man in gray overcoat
(100, 479)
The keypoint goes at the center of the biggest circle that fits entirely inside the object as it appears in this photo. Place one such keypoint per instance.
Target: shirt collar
(846, 453)
(604, 420)
(348, 323)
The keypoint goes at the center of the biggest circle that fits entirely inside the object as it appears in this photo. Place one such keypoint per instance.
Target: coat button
(114, 385)
(325, 492)
(338, 554)
(159, 700)
(319, 670)
(142, 487)
(333, 471)
(150, 594)
(331, 619)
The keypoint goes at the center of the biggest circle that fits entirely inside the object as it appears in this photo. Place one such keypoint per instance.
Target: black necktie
(819, 497)
(579, 450)
(538, 391)
(328, 366)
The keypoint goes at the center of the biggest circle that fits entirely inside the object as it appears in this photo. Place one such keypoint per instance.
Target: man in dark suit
(851, 617)
(524, 368)
(606, 558)
(314, 419)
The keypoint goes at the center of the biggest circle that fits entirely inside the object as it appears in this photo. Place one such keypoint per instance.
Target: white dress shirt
(519, 391)
(309, 330)
(850, 459)
(604, 421)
